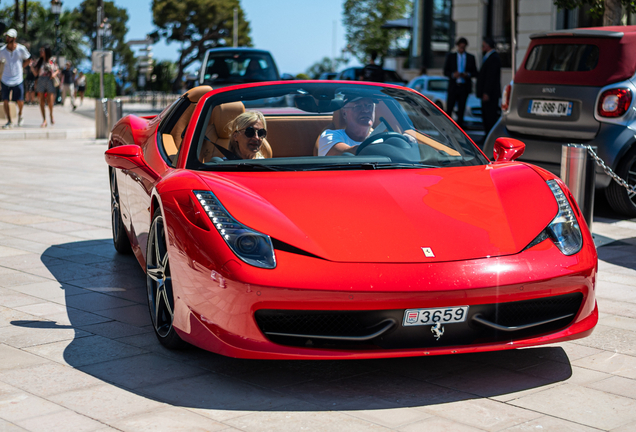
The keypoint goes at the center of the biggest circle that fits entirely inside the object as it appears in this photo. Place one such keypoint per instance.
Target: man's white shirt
(330, 138)
(13, 70)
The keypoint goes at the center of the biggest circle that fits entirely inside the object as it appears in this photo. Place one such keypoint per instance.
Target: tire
(440, 104)
(617, 196)
(159, 285)
(120, 238)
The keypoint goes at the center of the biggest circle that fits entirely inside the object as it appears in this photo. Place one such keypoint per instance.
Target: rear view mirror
(508, 149)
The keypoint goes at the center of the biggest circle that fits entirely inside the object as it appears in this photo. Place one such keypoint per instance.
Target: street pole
(513, 39)
(98, 43)
(235, 30)
(25, 17)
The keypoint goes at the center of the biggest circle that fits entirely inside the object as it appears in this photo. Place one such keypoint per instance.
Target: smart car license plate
(550, 108)
(447, 315)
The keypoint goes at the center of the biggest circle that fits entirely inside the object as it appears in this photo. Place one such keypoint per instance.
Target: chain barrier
(600, 162)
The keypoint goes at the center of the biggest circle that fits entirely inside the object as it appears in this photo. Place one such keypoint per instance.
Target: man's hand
(456, 74)
(485, 98)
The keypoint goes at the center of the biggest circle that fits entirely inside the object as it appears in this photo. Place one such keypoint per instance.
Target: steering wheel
(384, 136)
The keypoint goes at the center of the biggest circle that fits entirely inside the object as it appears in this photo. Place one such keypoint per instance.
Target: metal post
(115, 112)
(98, 43)
(101, 119)
(235, 29)
(513, 39)
(578, 173)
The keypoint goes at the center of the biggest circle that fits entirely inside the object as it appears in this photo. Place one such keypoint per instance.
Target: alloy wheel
(159, 282)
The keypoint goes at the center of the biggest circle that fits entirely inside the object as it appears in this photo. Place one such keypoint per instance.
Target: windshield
(325, 126)
(238, 67)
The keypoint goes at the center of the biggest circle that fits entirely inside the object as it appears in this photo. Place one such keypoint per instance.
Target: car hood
(393, 216)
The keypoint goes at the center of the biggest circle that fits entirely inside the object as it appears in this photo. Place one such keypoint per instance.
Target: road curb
(31, 134)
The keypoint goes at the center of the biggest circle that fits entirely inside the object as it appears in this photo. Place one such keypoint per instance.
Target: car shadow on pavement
(619, 252)
(114, 341)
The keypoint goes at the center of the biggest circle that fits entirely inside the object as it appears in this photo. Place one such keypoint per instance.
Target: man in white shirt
(16, 57)
(359, 115)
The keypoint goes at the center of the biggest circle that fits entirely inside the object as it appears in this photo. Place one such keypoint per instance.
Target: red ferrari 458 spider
(339, 220)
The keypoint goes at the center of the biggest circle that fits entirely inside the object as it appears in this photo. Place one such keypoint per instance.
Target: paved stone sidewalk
(77, 352)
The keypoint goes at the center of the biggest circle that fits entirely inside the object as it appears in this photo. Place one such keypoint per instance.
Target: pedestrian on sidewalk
(16, 57)
(80, 87)
(46, 71)
(489, 85)
(68, 84)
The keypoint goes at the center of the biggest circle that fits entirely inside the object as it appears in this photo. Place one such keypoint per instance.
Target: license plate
(550, 108)
(446, 315)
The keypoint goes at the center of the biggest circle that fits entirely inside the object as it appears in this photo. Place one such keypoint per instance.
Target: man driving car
(359, 115)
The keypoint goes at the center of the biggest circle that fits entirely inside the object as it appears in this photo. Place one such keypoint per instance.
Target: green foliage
(92, 85)
(302, 76)
(363, 20)
(325, 65)
(165, 73)
(596, 7)
(198, 25)
(41, 30)
(84, 16)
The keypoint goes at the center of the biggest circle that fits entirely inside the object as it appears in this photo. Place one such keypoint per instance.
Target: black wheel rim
(115, 214)
(159, 282)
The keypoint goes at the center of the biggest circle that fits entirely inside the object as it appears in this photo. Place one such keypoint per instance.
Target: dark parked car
(354, 73)
(227, 66)
(577, 86)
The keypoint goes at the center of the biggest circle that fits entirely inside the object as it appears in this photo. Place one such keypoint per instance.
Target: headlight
(249, 245)
(564, 229)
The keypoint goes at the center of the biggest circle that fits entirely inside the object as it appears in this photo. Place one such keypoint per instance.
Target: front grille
(304, 322)
(280, 326)
(525, 312)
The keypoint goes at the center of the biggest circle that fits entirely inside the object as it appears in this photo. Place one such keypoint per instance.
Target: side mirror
(130, 157)
(508, 149)
(287, 77)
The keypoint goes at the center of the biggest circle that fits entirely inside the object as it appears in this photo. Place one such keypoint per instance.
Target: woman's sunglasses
(251, 131)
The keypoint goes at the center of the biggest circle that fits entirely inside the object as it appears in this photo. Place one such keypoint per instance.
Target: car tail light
(505, 98)
(614, 102)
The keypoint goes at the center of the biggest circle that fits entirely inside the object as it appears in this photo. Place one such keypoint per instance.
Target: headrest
(224, 114)
(196, 93)
(338, 120)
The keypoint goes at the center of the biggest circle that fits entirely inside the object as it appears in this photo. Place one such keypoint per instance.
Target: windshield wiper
(369, 166)
(243, 166)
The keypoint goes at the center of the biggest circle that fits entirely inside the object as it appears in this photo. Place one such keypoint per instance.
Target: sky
(298, 33)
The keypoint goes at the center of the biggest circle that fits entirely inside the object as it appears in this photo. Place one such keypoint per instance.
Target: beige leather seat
(193, 96)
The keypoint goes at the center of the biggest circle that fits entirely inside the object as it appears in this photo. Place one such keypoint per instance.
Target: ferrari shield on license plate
(446, 315)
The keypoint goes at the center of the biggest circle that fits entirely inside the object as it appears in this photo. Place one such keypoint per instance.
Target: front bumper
(217, 309)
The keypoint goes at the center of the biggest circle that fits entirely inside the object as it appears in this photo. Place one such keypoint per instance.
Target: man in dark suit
(459, 67)
(489, 84)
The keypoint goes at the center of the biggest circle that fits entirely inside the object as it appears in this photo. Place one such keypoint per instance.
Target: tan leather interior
(292, 136)
(169, 145)
(193, 96)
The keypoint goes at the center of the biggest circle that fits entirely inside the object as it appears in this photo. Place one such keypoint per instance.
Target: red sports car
(339, 220)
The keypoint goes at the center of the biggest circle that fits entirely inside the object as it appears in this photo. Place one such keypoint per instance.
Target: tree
(41, 31)
(85, 20)
(610, 10)
(164, 73)
(325, 65)
(363, 20)
(198, 25)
